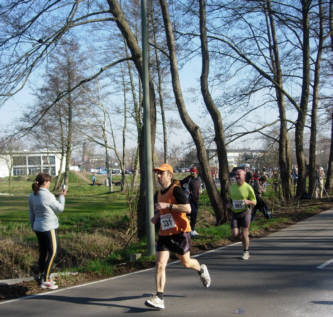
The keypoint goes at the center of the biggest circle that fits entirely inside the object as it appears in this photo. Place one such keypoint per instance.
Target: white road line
(322, 266)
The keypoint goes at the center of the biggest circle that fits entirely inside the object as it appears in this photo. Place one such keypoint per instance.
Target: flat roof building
(25, 163)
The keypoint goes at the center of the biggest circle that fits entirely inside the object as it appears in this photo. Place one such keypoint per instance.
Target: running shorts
(242, 219)
(177, 243)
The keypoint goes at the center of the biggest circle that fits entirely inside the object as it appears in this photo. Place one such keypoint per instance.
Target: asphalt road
(289, 274)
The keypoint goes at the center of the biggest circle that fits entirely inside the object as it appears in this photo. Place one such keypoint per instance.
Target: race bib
(238, 204)
(167, 222)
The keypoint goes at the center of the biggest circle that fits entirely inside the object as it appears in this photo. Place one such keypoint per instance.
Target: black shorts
(177, 243)
(242, 219)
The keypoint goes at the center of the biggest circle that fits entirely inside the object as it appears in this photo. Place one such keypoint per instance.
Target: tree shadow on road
(322, 302)
(106, 301)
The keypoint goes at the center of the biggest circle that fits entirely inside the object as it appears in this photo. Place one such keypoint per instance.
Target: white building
(235, 157)
(30, 163)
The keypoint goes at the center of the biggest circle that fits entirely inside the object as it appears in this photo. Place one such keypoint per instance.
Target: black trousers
(261, 206)
(193, 214)
(47, 243)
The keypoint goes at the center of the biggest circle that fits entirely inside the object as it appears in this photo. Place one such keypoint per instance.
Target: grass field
(97, 229)
(89, 228)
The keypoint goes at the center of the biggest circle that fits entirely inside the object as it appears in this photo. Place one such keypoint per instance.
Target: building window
(19, 171)
(49, 160)
(34, 160)
(19, 160)
(34, 170)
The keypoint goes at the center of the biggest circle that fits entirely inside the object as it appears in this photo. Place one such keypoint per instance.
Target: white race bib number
(238, 204)
(167, 222)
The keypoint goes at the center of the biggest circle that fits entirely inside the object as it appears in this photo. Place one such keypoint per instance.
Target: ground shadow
(12, 291)
(322, 302)
(108, 302)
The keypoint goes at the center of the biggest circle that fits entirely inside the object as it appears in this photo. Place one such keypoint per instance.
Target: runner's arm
(252, 200)
(182, 204)
(174, 207)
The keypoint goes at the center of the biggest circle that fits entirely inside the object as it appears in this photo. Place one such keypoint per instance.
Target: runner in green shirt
(242, 198)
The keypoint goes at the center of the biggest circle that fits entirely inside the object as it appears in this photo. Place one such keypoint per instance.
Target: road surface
(289, 274)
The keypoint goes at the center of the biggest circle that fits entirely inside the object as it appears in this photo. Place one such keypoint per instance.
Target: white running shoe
(49, 285)
(194, 233)
(246, 255)
(155, 302)
(204, 275)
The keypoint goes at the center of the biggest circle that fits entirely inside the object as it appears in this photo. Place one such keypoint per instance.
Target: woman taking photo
(43, 207)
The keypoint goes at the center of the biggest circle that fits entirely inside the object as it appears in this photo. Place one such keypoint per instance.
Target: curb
(31, 278)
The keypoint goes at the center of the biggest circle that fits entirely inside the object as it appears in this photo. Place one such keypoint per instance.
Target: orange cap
(164, 167)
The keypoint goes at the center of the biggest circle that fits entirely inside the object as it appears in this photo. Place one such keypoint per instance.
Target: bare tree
(214, 112)
(315, 97)
(160, 85)
(329, 179)
(56, 128)
(194, 129)
(136, 54)
(8, 146)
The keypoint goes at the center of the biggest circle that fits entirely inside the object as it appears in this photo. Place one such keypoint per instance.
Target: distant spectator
(93, 180)
(232, 175)
(259, 190)
(191, 186)
(248, 175)
(320, 177)
(276, 181)
(294, 174)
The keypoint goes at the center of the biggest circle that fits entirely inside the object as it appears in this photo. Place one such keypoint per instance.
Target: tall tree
(57, 126)
(315, 97)
(213, 110)
(193, 129)
(160, 87)
(136, 54)
(329, 179)
(284, 154)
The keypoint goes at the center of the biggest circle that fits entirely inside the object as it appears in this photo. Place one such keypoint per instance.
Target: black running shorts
(177, 243)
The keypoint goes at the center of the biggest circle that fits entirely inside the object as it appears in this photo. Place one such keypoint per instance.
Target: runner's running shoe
(204, 275)
(48, 285)
(246, 255)
(155, 302)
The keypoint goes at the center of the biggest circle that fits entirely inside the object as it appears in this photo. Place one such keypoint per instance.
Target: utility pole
(150, 230)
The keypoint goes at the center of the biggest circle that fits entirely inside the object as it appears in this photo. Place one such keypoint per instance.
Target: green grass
(95, 232)
(214, 233)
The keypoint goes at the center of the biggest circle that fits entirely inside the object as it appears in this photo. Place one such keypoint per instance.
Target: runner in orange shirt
(171, 207)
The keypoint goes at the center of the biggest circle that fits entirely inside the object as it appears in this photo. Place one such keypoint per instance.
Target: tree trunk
(136, 53)
(214, 112)
(123, 167)
(160, 95)
(59, 176)
(69, 136)
(284, 153)
(313, 137)
(107, 156)
(194, 130)
(300, 123)
(138, 121)
(329, 176)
